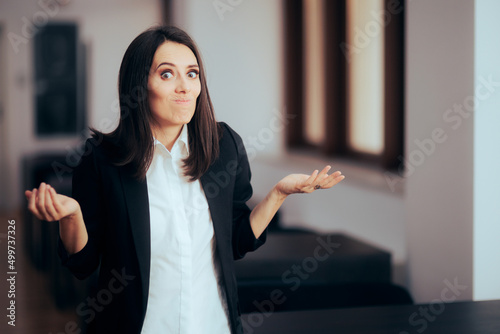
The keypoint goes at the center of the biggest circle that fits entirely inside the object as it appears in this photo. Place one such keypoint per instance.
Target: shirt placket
(185, 243)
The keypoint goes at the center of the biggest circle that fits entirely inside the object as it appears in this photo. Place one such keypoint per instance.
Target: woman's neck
(167, 135)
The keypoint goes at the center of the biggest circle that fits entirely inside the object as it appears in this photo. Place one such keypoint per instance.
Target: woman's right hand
(46, 204)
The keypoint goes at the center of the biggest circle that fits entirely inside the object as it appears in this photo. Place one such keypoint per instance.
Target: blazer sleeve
(86, 190)
(243, 237)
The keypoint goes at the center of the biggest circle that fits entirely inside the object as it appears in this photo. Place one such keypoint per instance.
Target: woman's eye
(167, 75)
(193, 74)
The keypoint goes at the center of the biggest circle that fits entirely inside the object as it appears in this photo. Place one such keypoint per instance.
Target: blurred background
(401, 96)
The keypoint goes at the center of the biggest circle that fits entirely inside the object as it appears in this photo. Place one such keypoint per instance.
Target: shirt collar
(181, 140)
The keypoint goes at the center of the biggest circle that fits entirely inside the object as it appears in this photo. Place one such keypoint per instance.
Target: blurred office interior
(401, 96)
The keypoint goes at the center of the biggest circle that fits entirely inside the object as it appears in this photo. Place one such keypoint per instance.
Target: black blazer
(116, 213)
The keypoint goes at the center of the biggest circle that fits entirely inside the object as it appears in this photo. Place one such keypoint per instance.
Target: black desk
(455, 318)
(323, 259)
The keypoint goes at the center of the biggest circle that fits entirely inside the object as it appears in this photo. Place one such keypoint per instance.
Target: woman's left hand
(302, 183)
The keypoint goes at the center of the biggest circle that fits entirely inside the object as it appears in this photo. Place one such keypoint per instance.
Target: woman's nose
(182, 85)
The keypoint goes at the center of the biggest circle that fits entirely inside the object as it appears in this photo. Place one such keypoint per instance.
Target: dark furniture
(440, 318)
(350, 260)
(306, 271)
(281, 298)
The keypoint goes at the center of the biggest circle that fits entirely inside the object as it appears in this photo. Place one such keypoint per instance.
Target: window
(344, 79)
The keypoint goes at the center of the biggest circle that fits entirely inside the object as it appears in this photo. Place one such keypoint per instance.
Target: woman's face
(174, 85)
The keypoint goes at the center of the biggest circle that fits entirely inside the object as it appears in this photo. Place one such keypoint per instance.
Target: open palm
(302, 183)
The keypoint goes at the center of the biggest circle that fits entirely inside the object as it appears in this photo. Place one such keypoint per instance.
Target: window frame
(336, 84)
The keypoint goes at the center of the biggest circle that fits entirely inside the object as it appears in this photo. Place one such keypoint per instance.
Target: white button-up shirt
(185, 293)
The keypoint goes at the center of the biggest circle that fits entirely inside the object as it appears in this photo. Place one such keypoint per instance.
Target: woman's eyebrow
(173, 65)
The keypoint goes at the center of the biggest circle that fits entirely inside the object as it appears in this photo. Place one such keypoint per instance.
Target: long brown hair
(133, 137)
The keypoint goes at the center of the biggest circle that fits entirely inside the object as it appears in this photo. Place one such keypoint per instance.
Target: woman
(159, 204)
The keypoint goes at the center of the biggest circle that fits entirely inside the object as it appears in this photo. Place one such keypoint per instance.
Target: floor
(36, 311)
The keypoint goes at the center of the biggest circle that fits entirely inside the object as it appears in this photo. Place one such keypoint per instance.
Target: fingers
(325, 170)
(332, 180)
(323, 174)
(311, 179)
(320, 177)
(32, 202)
(49, 206)
(40, 202)
(315, 180)
(325, 181)
(55, 201)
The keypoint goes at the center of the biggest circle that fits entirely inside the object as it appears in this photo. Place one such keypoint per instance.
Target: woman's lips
(182, 101)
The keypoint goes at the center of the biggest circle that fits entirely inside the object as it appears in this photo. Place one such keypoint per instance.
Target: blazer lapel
(136, 198)
(214, 192)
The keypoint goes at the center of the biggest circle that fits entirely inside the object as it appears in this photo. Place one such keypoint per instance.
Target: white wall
(243, 52)
(439, 202)
(429, 225)
(106, 27)
(486, 153)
